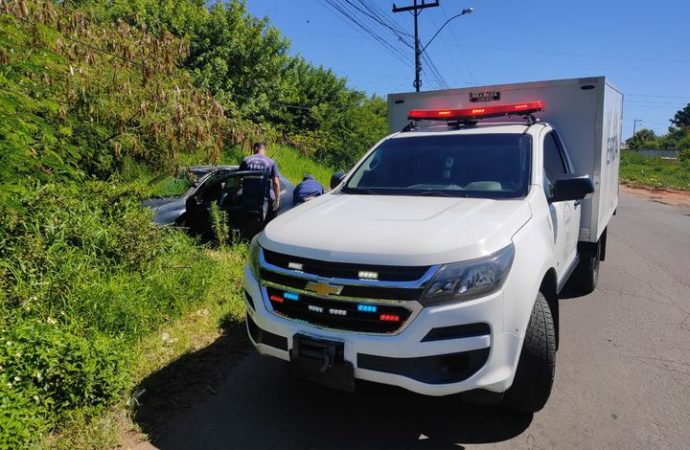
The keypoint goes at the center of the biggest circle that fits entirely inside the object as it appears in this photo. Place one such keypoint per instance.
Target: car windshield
(470, 165)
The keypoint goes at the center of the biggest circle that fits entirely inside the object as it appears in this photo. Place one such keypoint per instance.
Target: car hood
(166, 211)
(157, 202)
(396, 230)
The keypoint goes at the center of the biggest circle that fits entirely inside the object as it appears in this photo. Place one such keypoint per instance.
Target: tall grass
(84, 276)
(654, 172)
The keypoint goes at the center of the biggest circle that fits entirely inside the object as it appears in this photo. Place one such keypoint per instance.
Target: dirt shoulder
(673, 197)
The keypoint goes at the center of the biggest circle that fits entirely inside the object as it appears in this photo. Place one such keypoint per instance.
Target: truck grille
(364, 292)
(334, 295)
(328, 269)
(338, 314)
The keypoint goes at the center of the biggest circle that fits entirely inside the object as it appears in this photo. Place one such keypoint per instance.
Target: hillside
(95, 103)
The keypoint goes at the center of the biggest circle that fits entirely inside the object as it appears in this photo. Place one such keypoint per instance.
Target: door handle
(577, 203)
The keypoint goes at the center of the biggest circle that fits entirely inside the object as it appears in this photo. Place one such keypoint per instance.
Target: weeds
(220, 225)
(655, 172)
(84, 275)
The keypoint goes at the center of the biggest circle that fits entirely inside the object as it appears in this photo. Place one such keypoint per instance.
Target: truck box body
(586, 112)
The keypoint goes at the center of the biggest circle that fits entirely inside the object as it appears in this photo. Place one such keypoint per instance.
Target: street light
(464, 11)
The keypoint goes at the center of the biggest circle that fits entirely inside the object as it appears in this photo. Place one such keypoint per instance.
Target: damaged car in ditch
(240, 194)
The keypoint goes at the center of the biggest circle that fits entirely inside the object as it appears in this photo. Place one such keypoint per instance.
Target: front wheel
(537, 365)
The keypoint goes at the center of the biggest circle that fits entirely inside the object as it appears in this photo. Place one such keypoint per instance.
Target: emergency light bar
(476, 113)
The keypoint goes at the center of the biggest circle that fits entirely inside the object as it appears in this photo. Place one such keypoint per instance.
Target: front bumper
(457, 359)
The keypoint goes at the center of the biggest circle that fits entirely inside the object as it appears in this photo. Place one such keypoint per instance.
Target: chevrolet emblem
(323, 289)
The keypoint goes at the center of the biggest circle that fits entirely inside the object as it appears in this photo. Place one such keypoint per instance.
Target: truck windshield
(470, 165)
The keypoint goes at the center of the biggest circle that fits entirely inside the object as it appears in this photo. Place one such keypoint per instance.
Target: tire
(586, 275)
(537, 365)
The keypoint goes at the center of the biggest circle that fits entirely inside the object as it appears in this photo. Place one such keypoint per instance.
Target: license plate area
(322, 361)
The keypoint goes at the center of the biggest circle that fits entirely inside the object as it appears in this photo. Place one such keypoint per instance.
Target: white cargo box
(586, 112)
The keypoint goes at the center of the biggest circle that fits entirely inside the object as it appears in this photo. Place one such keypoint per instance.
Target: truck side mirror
(572, 188)
(336, 179)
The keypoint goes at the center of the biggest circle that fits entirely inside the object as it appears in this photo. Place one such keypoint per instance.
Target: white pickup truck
(436, 263)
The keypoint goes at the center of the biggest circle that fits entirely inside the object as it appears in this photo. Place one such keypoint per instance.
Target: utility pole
(416, 9)
(635, 122)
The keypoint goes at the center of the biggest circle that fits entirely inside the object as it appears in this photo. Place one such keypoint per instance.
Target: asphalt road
(622, 375)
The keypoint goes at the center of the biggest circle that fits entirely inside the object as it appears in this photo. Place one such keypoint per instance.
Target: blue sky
(643, 47)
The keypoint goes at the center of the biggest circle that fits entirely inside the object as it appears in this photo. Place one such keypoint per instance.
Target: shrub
(84, 274)
(48, 370)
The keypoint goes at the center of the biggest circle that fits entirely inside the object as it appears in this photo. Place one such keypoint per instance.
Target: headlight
(254, 250)
(469, 279)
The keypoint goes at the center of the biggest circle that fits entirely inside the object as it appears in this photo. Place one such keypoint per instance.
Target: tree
(645, 138)
(682, 118)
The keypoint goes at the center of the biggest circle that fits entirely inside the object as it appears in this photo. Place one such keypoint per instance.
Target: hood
(396, 230)
(157, 202)
(167, 211)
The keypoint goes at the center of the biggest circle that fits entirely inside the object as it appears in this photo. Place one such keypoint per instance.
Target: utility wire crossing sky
(640, 47)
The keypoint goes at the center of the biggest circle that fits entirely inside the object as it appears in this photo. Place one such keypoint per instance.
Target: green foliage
(48, 371)
(100, 102)
(643, 139)
(220, 225)
(79, 95)
(654, 171)
(82, 278)
(244, 62)
(682, 118)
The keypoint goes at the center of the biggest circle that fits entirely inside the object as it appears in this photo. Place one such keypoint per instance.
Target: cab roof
(479, 128)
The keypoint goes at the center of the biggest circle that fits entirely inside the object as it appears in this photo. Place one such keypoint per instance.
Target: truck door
(565, 216)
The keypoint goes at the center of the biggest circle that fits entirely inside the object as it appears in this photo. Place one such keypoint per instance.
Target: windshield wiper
(436, 194)
(349, 190)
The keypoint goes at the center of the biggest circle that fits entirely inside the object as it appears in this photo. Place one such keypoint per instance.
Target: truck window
(477, 165)
(554, 165)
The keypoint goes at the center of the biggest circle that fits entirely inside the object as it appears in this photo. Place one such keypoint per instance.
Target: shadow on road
(185, 383)
(203, 401)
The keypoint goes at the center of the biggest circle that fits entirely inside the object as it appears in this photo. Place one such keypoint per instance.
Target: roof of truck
(480, 128)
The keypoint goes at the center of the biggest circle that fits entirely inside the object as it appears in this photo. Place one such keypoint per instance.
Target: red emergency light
(389, 318)
(277, 299)
(484, 112)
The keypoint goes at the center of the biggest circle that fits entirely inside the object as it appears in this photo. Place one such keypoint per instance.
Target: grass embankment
(94, 299)
(92, 292)
(185, 299)
(640, 170)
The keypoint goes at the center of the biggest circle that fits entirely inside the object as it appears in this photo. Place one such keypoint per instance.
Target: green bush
(84, 274)
(49, 370)
(684, 155)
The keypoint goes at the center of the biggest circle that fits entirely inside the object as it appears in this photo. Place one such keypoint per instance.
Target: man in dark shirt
(262, 163)
(306, 190)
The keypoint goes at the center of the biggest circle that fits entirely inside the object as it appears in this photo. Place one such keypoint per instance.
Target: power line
(450, 55)
(685, 98)
(457, 43)
(440, 81)
(341, 11)
(416, 9)
(376, 10)
(643, 106)
(378, 19)
(574, 54)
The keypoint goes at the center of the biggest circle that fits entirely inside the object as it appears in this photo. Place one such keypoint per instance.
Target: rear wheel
(586, 275)
(537, 365)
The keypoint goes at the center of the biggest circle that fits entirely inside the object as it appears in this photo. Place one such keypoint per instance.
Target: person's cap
(308, 176)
